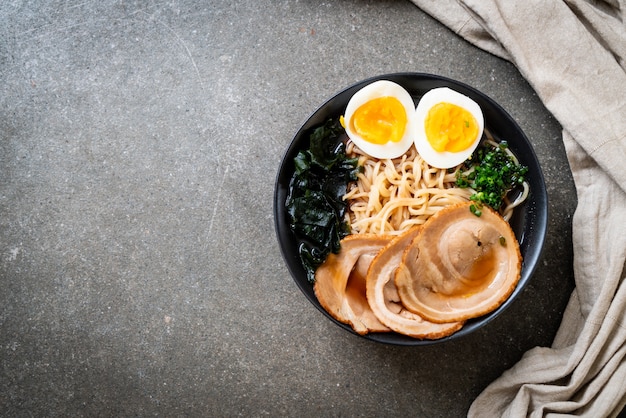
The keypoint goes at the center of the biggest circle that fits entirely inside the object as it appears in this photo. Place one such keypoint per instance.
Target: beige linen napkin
(573, 53)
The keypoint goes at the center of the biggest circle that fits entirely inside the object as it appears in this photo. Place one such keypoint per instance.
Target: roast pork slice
(384, 300)
(459, 266)
(340, 282)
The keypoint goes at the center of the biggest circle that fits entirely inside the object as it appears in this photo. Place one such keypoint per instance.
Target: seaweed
(315, 202)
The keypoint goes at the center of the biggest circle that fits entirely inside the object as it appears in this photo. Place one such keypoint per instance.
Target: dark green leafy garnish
(492, 173)
(315, 202)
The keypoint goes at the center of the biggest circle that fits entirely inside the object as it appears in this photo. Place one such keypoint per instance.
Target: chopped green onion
(492, 173)
(475, 210)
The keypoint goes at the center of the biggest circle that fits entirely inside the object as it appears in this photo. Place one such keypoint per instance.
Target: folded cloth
(573, 53)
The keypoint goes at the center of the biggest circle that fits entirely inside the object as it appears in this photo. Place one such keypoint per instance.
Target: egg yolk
(450, 128)
(380, 120)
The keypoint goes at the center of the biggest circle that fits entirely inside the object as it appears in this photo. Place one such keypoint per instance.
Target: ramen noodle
(392, 195)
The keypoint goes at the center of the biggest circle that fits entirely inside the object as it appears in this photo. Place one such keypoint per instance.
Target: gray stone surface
(139, 269)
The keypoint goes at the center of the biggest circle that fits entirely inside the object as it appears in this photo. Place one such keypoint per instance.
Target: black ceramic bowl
(529, 221)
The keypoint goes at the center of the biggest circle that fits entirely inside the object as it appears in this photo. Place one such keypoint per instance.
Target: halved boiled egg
(449, 127)
(380, 119)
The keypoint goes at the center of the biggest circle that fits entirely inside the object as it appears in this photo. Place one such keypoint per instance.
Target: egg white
(382, 88)
(427, 152)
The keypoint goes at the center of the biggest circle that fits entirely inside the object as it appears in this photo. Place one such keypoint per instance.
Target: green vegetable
(492, 173)
(475, 210)
(315, 202)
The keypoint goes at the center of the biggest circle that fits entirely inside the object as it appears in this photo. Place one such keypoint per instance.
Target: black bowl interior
(529, 221)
